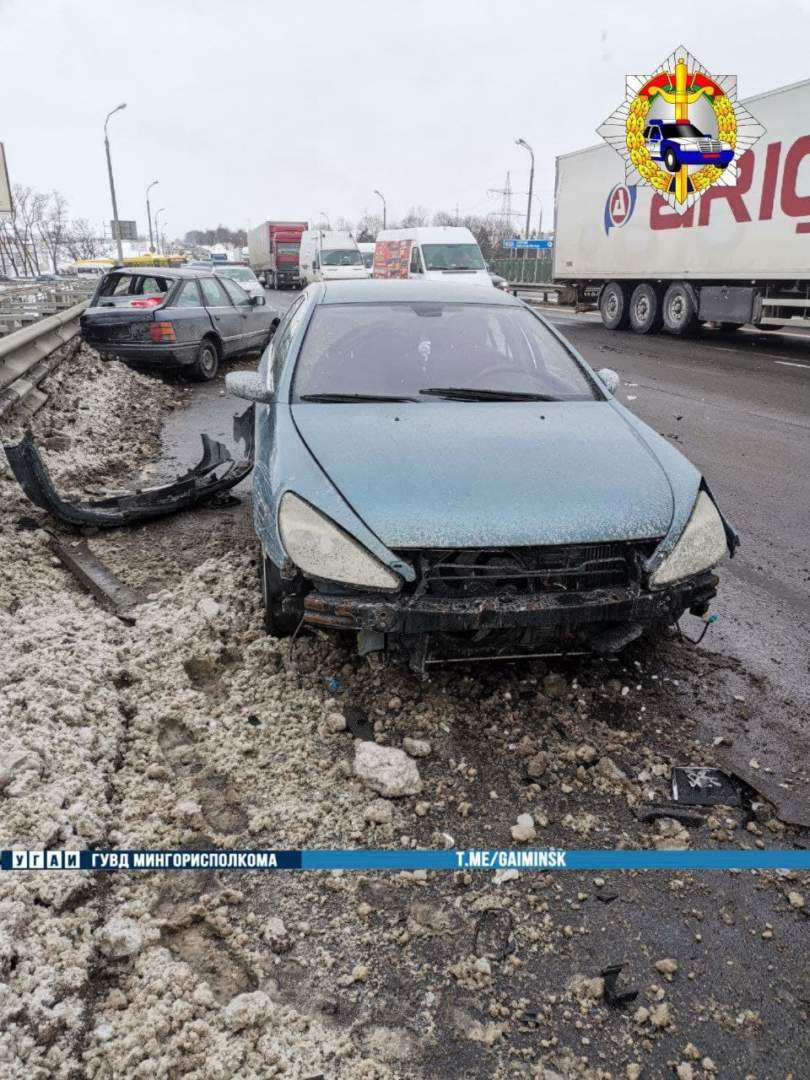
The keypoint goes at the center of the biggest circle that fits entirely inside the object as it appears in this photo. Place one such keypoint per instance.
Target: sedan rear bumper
(553, 613)
(165, 357)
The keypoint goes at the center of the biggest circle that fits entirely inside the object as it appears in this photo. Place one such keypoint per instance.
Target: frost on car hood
(450, 474)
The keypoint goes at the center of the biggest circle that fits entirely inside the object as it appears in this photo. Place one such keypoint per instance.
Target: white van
(440, 252)
(328, 256)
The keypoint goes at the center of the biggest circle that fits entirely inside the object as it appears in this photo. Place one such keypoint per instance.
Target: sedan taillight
(161, 332)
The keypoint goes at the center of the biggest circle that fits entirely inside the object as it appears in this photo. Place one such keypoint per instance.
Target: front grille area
(569, 568)
(709, 146)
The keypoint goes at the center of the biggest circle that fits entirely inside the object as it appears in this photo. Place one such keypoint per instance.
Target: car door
(652, 137)
(186, 313)
(255, 318)
(227, 321)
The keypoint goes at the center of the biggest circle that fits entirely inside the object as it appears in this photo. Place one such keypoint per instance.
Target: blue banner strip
(396, 859)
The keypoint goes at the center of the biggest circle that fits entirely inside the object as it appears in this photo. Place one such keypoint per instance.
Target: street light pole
(117, 108)
(523, 143)
(383, 202)
(162, 210)
(149, 214)
(325, 216)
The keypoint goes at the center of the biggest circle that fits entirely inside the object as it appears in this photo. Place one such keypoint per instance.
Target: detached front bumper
(552, 613)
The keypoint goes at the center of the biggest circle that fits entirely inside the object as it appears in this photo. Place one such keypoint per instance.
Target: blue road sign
(536, 245)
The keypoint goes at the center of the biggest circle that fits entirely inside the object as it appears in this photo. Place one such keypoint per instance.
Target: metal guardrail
(27, 355)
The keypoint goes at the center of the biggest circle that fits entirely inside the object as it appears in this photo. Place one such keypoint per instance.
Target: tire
(206, 365)
(646, 315)
(277, 622)
(671, 161)
(613, 306)
(680, 309)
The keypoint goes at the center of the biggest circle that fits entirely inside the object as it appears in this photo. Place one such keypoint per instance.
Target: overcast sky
(249, 109)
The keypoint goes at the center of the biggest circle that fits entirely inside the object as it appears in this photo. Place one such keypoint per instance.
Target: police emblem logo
(681, 130)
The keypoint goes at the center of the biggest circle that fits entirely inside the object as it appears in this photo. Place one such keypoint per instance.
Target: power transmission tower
(506, 213)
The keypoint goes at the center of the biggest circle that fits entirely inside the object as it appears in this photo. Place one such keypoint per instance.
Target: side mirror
(248, 385)
(258, 301)
(609, 378)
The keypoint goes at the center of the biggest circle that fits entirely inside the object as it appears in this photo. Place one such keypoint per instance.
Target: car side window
(236, 292)
(283, 336)
(213, 293)
(416, 266)
(189, 296)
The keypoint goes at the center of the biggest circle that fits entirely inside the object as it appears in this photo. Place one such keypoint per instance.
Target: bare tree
(417, 215)
(53, 227)
(80, 241)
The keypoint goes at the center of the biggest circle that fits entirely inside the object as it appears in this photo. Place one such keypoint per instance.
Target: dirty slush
(192, 728)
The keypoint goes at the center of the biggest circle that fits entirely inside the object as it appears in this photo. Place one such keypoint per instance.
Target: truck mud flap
(215, 473)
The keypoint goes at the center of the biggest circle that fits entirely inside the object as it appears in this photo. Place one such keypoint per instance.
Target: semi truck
(273, 249)
(740, 255)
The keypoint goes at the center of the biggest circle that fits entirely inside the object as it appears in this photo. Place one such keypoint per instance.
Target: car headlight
(320, 548)
(702, 544)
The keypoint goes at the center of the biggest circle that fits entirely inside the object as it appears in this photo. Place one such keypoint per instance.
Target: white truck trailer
(739, 255)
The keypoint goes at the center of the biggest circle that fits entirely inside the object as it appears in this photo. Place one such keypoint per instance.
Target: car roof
(162, 271)
(380, 291)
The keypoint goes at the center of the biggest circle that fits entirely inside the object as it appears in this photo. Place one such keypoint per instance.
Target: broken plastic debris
(613, 995)
(696, 785)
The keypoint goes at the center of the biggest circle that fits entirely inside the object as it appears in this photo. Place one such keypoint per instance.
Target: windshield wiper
(335, 399)
(470, 393)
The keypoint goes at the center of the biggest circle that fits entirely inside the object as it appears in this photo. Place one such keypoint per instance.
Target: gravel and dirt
(192, 728)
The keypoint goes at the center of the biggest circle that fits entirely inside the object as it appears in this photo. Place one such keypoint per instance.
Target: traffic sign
(534, 245)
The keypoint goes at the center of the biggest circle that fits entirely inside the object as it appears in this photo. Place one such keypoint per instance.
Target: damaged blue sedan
(439, 472)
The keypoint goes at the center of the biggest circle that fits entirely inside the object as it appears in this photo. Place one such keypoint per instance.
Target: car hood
(457, 474)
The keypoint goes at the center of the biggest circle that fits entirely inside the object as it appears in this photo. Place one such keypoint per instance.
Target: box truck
(330, 256)
(740, 255)
(273, 250)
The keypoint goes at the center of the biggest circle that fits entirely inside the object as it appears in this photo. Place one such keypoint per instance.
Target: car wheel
(277, 622)
(645, 309)
(613, 306)
(671, 161)
(680, 309)
(206, 365)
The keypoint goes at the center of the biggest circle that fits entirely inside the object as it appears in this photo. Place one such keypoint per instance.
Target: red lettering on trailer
(733, 195)
(793, 204)
(769, 181)
(662, 216)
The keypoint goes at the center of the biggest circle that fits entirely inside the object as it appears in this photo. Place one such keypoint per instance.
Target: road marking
(790, 363)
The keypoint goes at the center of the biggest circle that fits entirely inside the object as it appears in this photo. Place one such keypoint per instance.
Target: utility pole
(162, 210)
(525, 145)
(380, 194)
(149, 214)
(117, 226)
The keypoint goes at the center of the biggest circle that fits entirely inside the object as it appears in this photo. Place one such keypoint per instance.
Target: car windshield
(341, 257)
(238, 273)
(452, 257)
(682, 131)
(404, 349)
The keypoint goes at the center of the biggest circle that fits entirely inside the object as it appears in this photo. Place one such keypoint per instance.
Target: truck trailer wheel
(645, 309)
(613, 306)
(680, 308)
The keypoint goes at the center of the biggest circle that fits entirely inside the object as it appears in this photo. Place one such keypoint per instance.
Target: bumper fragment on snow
(216, 472)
